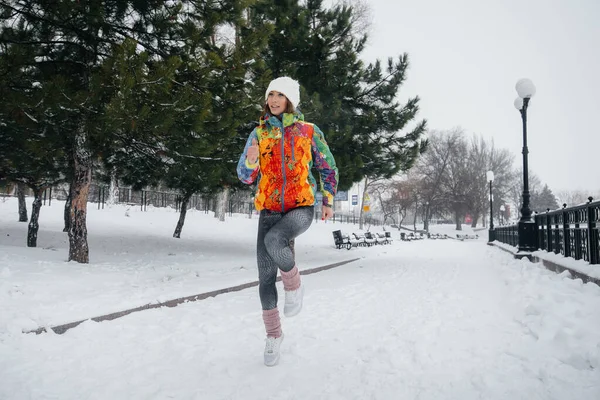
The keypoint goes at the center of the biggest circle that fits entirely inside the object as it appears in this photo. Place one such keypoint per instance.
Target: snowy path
(417, 321)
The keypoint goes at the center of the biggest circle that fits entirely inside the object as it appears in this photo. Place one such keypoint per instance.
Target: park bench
(384, 238)
(411, 236)
(373, 238)
(461, 236)
(435, 236)
(369, 239)
(341, 241)
(363, 241)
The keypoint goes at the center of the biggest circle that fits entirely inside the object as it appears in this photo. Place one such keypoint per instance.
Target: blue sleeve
(325, 164)
(246, 172)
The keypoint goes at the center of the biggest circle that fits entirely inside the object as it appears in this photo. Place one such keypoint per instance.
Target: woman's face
(277, 102)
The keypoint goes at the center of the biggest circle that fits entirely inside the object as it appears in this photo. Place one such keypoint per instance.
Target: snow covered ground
(429, 319)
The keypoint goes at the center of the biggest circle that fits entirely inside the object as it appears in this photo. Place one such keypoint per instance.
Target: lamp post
(526, 90)
(426, 222)
(490, 178)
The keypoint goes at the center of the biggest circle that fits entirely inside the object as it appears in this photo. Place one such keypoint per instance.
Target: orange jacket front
(288, 149)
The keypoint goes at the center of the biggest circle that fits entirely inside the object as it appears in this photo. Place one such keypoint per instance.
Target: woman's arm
(246, 171)
(325, 163)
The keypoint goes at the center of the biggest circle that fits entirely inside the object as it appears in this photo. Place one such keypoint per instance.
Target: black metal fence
(573, 232)
(238, 203)
(507, 234)
(156, 198)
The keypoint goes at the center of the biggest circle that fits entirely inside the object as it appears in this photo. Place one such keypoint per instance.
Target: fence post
(537, 219)
(566, 237)
(557, 242)
(577, 240)
(592, 233)
(548, 232)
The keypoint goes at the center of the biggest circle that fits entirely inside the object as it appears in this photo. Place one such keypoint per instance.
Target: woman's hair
(289, 108)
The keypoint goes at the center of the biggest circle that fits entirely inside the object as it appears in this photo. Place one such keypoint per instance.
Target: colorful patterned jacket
(288, 150)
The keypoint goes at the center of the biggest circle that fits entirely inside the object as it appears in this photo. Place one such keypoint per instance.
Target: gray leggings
(273, 250)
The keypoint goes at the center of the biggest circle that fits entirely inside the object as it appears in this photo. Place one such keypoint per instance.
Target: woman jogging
(280, 153)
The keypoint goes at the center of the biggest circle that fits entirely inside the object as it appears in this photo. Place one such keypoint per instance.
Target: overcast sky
(467, 55)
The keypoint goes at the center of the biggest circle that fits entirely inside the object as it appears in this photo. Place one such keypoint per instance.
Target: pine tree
(31, 142)
(543, 200)
(69, 42)
(75, 44)
(228, 67)
(355, 105)
(146, 109)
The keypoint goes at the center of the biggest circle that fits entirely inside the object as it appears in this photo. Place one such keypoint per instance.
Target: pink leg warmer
(291, 279)
(272, 322)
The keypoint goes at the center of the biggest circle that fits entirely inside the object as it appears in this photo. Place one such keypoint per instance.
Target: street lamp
(526, 90)
(427, 216)
(490, 178)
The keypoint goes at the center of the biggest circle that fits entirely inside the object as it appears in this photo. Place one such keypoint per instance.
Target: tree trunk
(22, 205)
(80, 188)
(474, 220)
(401, 217)
(362, 206)
(113, 188)
(182, 212)
(415, 218)
(457, 220)
(32, 229)
(67, 212)
(223, 202)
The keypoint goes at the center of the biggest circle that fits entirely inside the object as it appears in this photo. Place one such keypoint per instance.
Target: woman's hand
(326, 213)
(252, 154)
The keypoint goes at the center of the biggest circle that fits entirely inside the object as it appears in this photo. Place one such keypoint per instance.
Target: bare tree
(382, 192)
(452, 175)
(483, 156)
(574, 197)
(456, 180)
(431, 170)
(515, 191)
(502, 164)
(401, 195)
(362, 17)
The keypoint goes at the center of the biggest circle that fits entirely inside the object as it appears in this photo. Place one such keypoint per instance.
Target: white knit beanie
(288, 86)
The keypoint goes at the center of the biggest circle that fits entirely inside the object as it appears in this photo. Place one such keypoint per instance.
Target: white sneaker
(272, 350)
(293, 301)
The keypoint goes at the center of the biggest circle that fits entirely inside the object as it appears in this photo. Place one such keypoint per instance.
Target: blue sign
(354, 199)
(339, 196)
